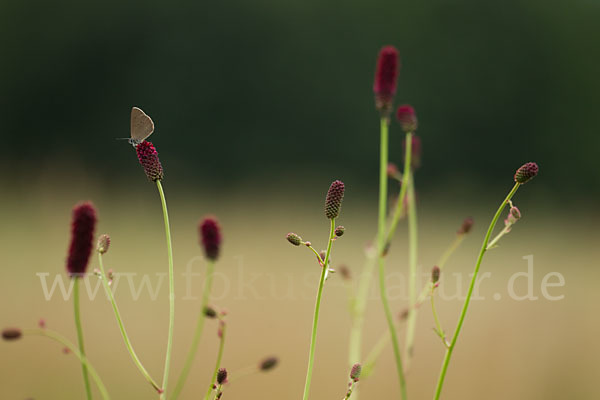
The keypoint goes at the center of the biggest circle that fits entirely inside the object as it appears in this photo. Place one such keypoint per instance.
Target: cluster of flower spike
(333, 201)
(386, 76)
(148, 157)
(83, 225)
(210, 233)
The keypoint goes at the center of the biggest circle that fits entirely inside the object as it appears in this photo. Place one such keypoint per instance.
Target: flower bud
(210, 312)
(466, 226)
(526, 172)
(11, 334)
(435, 274)
(294, 239)
(268, 363)
(333, 201)
(103, 244)
(222, 376)
(355, 372)
(345, 272)
(148, 157)
(339, 231)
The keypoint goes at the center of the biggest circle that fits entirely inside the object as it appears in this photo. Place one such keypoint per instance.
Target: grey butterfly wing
(141, 125)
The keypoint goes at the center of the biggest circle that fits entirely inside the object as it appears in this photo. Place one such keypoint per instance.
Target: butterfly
(141, 126)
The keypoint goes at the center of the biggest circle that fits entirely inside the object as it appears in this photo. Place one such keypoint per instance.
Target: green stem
(412, 262)
(82, 358)
(381, 244)
(84, 370)
(498, 237)
(403, 187)
(128, 344)
(218, 362)
(350, 390)
(171, 290)
(198, 333)
(313, 339)
(438, 326)
(463, 313)
(376, 351)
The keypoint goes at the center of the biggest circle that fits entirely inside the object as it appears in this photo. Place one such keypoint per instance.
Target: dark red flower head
(333, 201)
(222, 376)
(148, 157)
(526, 172)
(11, 334)
(415, 151)
(268, 363)
(407, 118)
(386, 76)
(83, 225)
(210, 233)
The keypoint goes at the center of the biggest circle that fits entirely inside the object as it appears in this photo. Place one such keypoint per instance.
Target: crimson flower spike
(386, 77)
(210, 234)
(83, 225)
(148, 157)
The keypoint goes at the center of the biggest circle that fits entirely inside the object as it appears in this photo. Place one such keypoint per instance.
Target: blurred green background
(258, 106)
(243, 88)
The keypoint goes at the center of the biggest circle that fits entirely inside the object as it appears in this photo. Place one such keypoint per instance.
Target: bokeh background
(258, 106)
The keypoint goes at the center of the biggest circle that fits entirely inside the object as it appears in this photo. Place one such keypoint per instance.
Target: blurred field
(508, 350)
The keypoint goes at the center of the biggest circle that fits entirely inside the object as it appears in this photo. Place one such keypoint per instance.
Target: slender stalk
(381, 244)
(406, 176)
(218, 362)
(438, 326)
(412, 262)
(171, 290)
(84, 369)
(128, 344)
(198, 333)
(82, 358)
(313, 338)
(378, 348)
(364, 284)
(498, 237)
(463, 313)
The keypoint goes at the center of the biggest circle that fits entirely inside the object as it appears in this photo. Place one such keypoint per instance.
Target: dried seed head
(466, 226)
(386, 76)
(333, 201)
(406, 116)
(268, 363)
(222, 376)
(83, 224)
(415, 151)
(339, 231)
(103, 243)
(210, 237)
(148, 157)
(294, 239)
(11, 334)
(345, 272)
(355, 372)
(526, 172)
(210, 312)
(435, 274)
